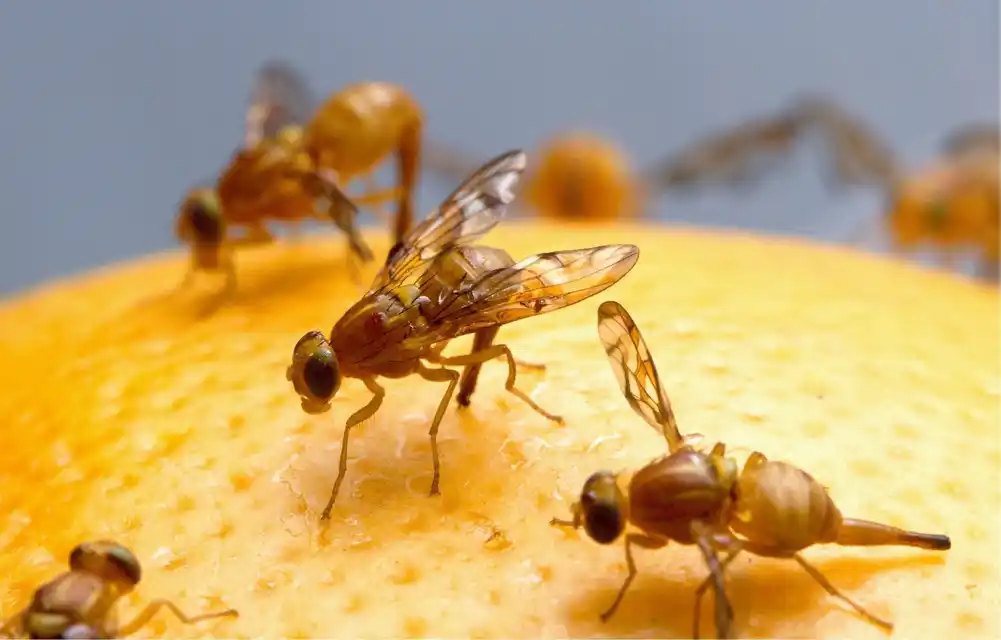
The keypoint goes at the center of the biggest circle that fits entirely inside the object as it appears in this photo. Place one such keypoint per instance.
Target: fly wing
(858, 155)
(741, 155)
(466, 215)
(538, 284)
(636, 372)
(974, 138)
(279, 97)
(734, 157)
(448, 161)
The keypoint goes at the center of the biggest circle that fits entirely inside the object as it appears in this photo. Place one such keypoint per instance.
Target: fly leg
(154, 607)
(374, 198)
(495, 351)
(831, 589)
(256, 235)
(452, 378)
(366, 412)
(639, 540)
(717, 569)
(343, 212)
(818, 577)
(483, 339)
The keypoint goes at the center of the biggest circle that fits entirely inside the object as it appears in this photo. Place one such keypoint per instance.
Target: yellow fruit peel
(163, 419)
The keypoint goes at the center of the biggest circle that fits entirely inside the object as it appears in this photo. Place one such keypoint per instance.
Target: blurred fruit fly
(580, 177)
(951, 204)
(296, 160)
(436, 286)
(79, 603)
(770, 508)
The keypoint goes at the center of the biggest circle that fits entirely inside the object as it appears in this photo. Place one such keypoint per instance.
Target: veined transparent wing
(466, 215)
(280, 97)
(972, 138)
(636, 373)
(733, 157)
(742, 154)
(538, 284)
(858, 155)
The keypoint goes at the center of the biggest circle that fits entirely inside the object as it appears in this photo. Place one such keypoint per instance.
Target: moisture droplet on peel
(167, 559)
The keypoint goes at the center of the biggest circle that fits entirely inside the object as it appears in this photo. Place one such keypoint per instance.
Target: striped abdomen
(783, 507)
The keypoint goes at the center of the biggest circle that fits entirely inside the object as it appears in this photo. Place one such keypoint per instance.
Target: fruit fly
(269, 179)
(951, 204)
(436, 286)
(79, 603)
(683, 497)
(771, 508)
(297, 160)
(580, 177)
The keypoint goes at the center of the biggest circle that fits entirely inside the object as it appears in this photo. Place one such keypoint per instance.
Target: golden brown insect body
(357, 129)
(781, 510)
(771, 508)
(436, 287)
(952, 204)
(80, 602)
(296, 161)
(580, 177)
(685, 496)
(269, 179)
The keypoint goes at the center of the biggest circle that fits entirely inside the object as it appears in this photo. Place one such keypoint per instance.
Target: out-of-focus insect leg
(189, 276)
(639, 540)
(255, 235)
(408, 158)
(343, 212)
(452, 378)
(479, 357)
(377, 209)
(366, 412)
(717, 569)
(154, 607)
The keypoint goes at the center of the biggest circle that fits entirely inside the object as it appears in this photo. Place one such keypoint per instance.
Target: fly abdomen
(783, 507)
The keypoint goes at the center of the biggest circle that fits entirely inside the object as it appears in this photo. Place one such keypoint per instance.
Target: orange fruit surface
(154, 417)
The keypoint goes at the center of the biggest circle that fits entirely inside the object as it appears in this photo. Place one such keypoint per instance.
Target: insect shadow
(767, 592)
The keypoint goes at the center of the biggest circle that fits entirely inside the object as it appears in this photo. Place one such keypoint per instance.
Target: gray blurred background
(112, 109)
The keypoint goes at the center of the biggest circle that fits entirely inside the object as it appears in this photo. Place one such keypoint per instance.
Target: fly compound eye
(320, 376)
(107, 559)
(314, 372)
(602, 505)
(201, 218)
